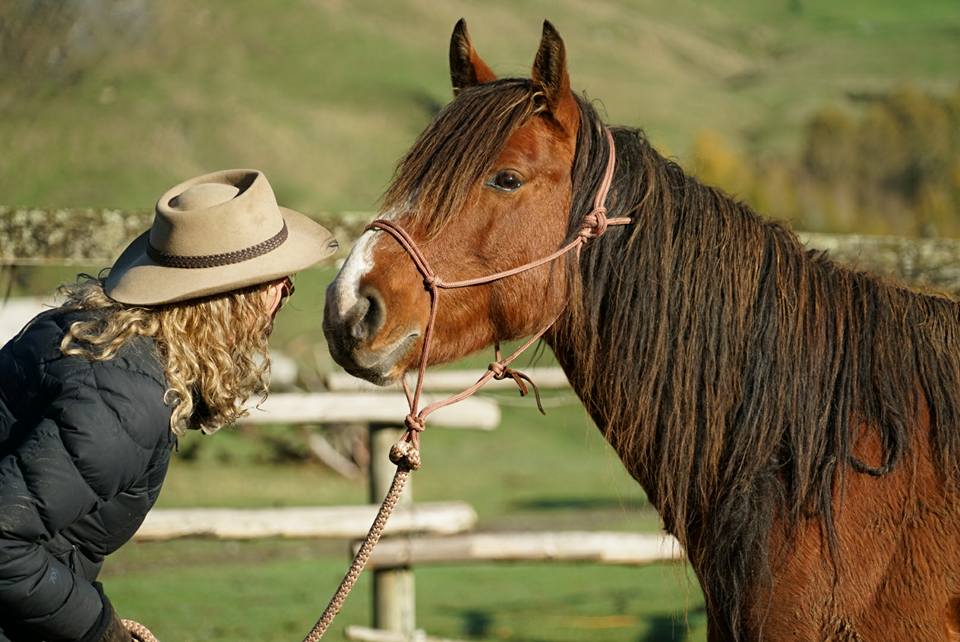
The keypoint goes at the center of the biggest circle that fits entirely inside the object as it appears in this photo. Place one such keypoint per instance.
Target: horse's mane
(730, 368)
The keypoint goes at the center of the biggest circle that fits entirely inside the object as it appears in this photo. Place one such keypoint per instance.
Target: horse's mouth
(382, 367)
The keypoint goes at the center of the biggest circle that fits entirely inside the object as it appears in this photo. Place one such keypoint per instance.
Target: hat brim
(136, 279)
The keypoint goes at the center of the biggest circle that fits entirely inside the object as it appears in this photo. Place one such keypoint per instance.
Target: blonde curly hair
(213, 350)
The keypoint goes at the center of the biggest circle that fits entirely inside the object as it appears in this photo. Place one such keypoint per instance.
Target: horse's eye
(506, 181)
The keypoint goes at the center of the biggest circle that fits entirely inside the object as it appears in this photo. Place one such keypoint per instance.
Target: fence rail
(630, 549)
(333, 522)
(447, 380)
(368, 407)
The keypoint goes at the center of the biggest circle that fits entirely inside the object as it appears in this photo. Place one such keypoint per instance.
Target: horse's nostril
(368, 315)
(358, 329)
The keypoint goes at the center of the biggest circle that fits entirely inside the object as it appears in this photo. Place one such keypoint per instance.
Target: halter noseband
(406, 452)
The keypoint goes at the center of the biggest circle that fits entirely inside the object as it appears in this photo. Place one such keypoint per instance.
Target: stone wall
(96, 236)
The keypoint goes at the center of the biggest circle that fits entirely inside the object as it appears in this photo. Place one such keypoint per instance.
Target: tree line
(890, 166)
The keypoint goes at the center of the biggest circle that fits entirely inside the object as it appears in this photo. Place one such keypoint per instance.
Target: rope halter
(406, 452)
(595, 224)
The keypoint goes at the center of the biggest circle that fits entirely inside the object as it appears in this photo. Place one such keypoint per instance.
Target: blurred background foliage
(890, 165)
(835, 116)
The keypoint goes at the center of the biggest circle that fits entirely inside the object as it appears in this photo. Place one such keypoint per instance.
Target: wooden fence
(64, 237)
(393, 585)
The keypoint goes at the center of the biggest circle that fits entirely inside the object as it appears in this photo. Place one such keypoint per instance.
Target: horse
(795, 422)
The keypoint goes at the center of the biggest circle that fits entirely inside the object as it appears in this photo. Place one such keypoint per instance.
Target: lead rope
(363, 554)
(406, 452)
(139, 632)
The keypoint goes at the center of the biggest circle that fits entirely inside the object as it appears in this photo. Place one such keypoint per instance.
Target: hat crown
(221, 213)
(213, 234)
(202, 196)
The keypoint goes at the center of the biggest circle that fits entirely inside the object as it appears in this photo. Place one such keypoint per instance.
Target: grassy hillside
(325, 96)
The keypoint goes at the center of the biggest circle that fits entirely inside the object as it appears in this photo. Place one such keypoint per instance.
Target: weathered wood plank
(930, 263)
(449, 380)
(90, 236)
(365, 634)
(361, 407)
(333, 522)
(631, 549)
(17, 312)
(67, 236)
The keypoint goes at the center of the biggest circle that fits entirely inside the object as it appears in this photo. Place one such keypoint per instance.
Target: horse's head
(486, 187)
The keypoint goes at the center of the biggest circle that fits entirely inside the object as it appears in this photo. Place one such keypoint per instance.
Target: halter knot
(431, 281)
(405, 454)
(501, 372)
(595, 223)
(413, 423)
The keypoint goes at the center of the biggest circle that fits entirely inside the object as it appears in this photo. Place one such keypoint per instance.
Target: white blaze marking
(358, 263)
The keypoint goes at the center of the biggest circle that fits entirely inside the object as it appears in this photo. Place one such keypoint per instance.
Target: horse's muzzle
(351, 334)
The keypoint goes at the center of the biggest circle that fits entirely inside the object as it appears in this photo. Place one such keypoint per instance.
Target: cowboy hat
(212, 234)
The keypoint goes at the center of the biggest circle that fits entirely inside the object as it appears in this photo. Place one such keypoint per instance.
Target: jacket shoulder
(34, 373)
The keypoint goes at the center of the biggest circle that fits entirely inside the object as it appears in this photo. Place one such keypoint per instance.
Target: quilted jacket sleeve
(81, 454)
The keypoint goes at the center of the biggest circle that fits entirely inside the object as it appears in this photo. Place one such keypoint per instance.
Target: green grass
(214, 592)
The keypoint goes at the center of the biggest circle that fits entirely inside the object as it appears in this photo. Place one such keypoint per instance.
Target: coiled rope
(139, 632)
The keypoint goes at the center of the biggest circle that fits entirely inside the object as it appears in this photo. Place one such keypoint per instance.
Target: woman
(94, 394)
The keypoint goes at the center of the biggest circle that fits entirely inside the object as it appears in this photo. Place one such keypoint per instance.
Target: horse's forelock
(457, 150)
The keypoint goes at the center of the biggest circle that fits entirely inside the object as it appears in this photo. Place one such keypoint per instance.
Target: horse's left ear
(466, 67)
(550, 72)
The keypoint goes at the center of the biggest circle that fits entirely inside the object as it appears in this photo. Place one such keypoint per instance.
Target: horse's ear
(466, 67)
(550, 72)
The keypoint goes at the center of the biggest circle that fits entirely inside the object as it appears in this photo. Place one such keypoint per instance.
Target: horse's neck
(636, 367)
(729, 368)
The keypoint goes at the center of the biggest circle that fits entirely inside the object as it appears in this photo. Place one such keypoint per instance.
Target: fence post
(394, 600)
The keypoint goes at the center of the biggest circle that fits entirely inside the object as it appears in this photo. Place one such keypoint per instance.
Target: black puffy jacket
(84, 448)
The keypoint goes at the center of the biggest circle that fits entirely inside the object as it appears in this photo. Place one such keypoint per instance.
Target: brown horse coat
(796, 423)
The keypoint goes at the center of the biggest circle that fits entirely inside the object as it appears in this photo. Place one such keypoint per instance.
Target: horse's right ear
(550, 73)
(466, 67)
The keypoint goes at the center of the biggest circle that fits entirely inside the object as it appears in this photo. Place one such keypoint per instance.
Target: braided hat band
(217, 260)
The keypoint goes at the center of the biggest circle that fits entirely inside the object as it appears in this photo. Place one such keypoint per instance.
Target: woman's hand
(116, 631)
(108, 627)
